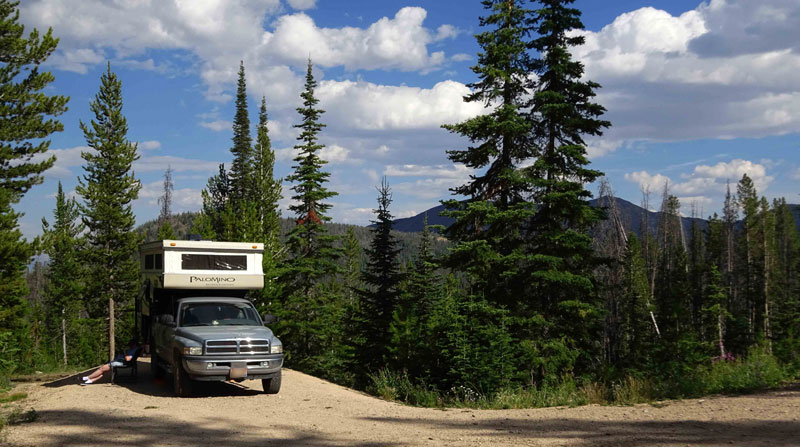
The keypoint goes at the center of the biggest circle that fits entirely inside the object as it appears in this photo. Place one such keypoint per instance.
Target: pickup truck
(216, 338)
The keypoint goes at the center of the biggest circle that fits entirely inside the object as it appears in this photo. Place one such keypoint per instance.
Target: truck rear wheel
(273, 385)
(181, 383)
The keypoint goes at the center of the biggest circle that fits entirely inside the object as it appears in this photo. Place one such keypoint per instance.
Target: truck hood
(204, 333)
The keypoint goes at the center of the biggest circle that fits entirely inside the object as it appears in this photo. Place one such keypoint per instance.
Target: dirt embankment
(311, 412)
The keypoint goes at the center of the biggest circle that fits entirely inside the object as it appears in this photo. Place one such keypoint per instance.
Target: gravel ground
(312, 412)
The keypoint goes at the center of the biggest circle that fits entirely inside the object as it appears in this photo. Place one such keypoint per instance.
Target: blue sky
(698, 93)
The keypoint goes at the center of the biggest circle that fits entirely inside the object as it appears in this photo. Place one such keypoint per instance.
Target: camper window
(213, 262)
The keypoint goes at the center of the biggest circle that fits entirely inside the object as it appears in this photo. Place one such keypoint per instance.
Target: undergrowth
(756, 371)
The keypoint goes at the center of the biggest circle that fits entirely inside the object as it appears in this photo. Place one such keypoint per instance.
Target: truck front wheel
(181, 383)
(273, 385)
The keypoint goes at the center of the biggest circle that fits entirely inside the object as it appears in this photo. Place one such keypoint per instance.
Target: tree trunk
(111, 347)
(64, 336)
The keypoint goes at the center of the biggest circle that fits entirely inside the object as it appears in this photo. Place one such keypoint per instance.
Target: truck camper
(193, 313)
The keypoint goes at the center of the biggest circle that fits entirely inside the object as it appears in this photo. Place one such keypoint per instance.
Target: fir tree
(487, 230)
(26, 112)
(27, 119)
(241, 177)
(108, 189)
(267, 193)
(307, 305)
(382, 278)
(716, 309)
(63, 242)
(311, 249)
(562, 113)
(638, 328)
(15, 254)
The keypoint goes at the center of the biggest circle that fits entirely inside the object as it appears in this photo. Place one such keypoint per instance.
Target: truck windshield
(218, 314)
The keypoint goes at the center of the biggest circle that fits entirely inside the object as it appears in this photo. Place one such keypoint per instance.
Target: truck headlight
(193, 350)
(276, 349)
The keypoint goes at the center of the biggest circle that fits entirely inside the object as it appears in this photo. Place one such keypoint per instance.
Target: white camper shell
(206, 265)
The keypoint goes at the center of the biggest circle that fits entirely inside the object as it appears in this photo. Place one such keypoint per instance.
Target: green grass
(757, 371)
(12, 397)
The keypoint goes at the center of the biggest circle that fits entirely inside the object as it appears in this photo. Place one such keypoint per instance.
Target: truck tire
(155, 365)
(273, 385)
(181, 383)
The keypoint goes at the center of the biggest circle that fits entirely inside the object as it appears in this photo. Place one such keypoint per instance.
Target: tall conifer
(563, 113)
(242, 149)
(108, 189)
(66, 280)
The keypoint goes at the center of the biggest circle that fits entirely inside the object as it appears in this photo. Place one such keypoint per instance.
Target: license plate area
(238, 370)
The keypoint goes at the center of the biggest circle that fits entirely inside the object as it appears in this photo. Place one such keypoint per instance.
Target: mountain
(630, 214)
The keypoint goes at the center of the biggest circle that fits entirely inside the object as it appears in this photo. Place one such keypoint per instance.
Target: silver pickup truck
(216, 338)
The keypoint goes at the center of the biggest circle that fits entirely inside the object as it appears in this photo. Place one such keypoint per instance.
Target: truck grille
(233, 347)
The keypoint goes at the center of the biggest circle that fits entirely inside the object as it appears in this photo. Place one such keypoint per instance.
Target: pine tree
(307, 304)
(410, 348)
(63, 242)
(27, 119)
(15, 254)
(108, 189)
(241, 177)
(716, 309)
(215, 219)
(26, 112)
(562, 113)
(488, 229)
(638, 330)
(266, 194)
(165, 201)
(382, 278)
(750, 268)
(786, 287)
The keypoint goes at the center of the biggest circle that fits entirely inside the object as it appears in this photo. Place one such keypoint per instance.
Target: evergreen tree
(382, 277)
(638, 329)
(562, 112)
(716, 309)
(307, 304)
(673, 303)
(108, 189)
(217, 209)
(27, 119)
(786, 287)
(267, 193)
(487, 231)
(165, 232)
(410, 346)
(64, 290)
(26, 112)
(750, 268)
(15, 254)
(241, 177)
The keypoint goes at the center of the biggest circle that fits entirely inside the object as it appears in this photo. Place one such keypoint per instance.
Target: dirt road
(312, 412)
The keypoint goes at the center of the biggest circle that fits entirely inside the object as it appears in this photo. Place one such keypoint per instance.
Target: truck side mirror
(269, 319)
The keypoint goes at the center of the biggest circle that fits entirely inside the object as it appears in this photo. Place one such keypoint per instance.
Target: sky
(698, 93)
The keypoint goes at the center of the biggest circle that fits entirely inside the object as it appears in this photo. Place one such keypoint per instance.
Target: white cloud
(396, 43)
(217, 125)
(364, 105)
(302, 4)
(455, 171)
(149, 145)
(336, 154)
(437, 182)
(446, 32)
(183, 199)
(647, 181)
(66, 159)
(178, 164)
(705, 179)
(724, 70)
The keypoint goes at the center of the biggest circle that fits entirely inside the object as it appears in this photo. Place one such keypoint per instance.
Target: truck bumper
(224, 368)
